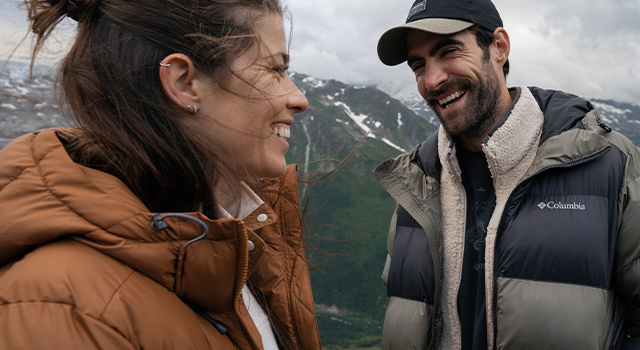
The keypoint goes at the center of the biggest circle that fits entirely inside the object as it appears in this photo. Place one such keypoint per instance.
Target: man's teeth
(450, 98)
(281, 131)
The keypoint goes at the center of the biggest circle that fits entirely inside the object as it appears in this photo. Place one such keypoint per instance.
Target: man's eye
(448, 51)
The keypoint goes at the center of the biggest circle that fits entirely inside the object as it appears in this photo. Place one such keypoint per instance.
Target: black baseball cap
(440, 17)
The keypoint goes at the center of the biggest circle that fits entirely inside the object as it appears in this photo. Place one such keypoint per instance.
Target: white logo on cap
(421, 6)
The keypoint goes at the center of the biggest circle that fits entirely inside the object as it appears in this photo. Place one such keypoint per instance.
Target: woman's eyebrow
(285, 57)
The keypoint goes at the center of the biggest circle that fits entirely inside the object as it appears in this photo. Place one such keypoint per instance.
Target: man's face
(457, 79)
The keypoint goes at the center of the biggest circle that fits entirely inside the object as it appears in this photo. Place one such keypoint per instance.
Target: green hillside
(349, 211)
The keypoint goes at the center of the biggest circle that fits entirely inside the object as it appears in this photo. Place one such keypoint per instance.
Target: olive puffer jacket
(84, 265)
(562, 258)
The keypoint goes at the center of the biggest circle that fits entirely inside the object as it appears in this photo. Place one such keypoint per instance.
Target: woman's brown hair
(128, 127)
(112, 91)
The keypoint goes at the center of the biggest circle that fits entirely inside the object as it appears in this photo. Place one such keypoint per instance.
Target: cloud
(586, 47)
(14, 26)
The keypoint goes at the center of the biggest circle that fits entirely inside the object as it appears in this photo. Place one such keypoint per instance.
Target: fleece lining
(510, 151)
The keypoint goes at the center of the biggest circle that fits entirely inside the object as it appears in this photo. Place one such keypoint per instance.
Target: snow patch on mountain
(393, 145)
(316, 83)
(357, 118)
(606, 108)
(408, 95)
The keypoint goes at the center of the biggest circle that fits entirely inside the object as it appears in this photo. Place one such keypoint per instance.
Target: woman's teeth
(282, 132)
(450, 98)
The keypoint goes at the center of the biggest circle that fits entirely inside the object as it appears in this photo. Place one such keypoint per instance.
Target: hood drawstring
(160, 224)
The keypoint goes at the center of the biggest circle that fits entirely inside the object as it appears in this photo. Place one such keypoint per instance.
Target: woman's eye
(281, 70)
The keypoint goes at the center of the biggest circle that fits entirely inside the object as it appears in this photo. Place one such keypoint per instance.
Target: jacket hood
(45, 196)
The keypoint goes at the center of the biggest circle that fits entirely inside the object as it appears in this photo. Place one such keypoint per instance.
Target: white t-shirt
(249, 202)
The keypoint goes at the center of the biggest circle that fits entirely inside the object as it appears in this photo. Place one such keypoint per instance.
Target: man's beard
(482, 105)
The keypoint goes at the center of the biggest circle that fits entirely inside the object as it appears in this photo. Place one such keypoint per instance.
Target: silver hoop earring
(165, 64)
(192, 111)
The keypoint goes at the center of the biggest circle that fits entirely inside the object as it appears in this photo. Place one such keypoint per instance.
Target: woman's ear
(502, 45)
(178, 76)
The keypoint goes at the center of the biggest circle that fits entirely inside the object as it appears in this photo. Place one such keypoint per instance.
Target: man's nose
(435, 76)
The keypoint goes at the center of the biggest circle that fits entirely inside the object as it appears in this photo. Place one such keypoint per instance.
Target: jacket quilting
(563, 238)
(82, 265)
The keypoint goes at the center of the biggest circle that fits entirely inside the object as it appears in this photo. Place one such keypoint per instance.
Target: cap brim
(392, 46)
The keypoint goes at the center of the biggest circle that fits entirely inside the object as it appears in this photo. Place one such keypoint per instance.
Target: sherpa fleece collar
(510, 150)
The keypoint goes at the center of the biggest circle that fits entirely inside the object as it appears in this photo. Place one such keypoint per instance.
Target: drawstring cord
(160, 224)
(219, 326)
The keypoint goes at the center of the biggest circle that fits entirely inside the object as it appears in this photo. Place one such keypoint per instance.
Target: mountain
(620, 116)
(347, 212)
(409, 96)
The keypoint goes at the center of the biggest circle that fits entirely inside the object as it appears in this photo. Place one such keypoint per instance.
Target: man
(518, 223)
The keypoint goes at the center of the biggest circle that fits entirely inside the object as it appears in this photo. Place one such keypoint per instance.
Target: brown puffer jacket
(82, 266)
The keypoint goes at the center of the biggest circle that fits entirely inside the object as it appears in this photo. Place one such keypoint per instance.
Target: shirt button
(251, 246)
(262, 218)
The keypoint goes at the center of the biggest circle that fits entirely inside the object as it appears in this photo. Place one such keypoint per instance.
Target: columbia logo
(562, 206)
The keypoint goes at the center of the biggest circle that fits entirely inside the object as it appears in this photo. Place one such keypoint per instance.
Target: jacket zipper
(245, 271)
(494, 300)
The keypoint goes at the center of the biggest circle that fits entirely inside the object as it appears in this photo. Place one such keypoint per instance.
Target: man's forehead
(419, 39)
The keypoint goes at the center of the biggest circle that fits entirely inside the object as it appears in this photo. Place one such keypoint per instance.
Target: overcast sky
(587, 47)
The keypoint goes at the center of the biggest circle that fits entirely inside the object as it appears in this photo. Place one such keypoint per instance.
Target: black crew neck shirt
(481, 202)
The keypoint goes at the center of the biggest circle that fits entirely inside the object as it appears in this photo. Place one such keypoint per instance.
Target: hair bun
(74, 7)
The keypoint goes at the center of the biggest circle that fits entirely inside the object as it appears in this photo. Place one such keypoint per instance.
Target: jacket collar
(509, 143)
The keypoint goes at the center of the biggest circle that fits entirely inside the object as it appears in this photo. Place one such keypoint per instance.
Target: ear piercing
(191, 109)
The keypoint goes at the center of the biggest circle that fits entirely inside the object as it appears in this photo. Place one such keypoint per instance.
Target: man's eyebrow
(411, 59)
(434, 50)
(442, 43)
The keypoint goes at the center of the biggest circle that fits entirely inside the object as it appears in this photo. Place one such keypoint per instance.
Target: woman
(168, 219)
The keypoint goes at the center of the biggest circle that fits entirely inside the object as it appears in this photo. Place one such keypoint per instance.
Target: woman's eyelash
(281, 69)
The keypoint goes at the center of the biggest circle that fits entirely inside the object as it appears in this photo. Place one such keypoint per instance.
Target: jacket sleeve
(390, 239)
(627, 250)
(48, 325)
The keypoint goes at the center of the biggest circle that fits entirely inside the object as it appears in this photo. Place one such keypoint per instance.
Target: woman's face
(252, 111)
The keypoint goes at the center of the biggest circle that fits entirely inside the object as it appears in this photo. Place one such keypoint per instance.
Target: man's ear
(502, 45)
(178, 76)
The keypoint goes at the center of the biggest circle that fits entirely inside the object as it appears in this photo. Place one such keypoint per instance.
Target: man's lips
(451, 98)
